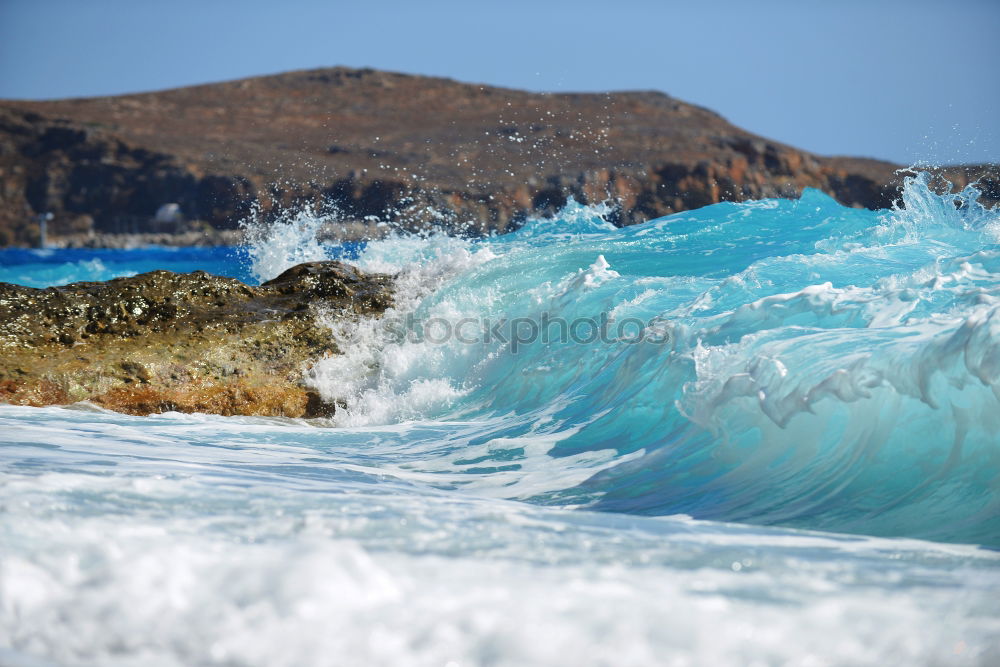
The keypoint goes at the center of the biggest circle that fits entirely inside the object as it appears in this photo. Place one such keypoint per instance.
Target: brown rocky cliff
(371, 143)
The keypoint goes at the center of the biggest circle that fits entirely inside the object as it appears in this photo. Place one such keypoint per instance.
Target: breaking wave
(817, 366)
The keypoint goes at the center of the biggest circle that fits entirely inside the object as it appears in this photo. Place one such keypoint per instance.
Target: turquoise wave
(815, 366)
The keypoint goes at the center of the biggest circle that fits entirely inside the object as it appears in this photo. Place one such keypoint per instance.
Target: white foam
(382, 376)
(375, 580)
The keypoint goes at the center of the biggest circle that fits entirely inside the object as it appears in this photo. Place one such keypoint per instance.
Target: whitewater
(754, 433)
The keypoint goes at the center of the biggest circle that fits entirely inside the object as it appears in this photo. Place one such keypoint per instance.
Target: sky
(909, 81)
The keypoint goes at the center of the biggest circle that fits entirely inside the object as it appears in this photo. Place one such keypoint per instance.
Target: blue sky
(906, 81)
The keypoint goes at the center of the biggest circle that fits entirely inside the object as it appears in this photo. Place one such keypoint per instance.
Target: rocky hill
(395, 147)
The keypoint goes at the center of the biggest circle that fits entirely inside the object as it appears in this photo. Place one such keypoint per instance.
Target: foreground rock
(191, 342)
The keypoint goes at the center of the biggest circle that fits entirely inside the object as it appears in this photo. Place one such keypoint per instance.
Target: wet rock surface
(190, 342)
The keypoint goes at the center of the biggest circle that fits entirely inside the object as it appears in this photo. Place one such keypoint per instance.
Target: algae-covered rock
(190, 342)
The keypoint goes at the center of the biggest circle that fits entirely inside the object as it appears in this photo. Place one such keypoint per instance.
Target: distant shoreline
(228, 237)
(331, 233)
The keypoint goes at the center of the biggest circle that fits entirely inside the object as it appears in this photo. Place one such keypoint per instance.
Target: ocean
(754, 433)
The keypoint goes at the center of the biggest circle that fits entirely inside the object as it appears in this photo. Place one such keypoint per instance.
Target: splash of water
(272, 247)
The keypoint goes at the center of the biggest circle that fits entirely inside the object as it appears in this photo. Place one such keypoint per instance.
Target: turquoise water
(752, 433)
(50, 266)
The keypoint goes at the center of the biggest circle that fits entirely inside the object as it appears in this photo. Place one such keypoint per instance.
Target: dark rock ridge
(190, 342)
(378, 144)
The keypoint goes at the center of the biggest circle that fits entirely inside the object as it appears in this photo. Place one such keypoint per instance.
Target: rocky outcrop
(190, 342)
(407, 149)
(94, 182)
